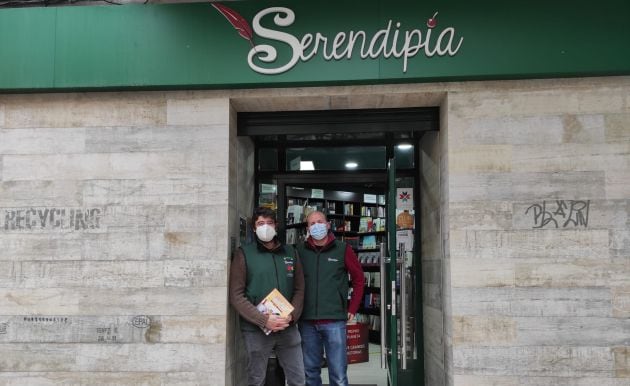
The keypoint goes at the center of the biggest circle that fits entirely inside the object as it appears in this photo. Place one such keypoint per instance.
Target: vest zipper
(275, 270)
(317, 286)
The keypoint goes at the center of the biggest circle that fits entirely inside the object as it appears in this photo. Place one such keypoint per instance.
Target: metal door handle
(403, 304)
(383, 315)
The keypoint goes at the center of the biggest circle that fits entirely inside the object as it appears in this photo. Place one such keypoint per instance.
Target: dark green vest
(326, 282)
(267, 270)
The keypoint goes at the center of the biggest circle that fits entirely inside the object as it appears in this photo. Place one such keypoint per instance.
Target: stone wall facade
(120, 211)
(539, 235)
(114, 239)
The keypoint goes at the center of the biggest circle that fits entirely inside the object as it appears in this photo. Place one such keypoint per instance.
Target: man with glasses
(257, 268)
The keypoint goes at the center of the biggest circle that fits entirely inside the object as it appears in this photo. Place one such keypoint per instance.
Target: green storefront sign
(288, 43)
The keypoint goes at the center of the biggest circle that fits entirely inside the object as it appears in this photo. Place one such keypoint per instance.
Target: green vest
(326, 281)
(268, 269)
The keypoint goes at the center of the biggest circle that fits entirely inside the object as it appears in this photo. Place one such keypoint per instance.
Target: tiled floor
(368, 373)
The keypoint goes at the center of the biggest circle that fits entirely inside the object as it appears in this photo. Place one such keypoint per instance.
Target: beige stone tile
(41, 246)
(573, 331)
(622, 361)
(556, 361)
(482, 273)
(506, 103)
(485, 380)
(481, 158)
(84, 110)
(490, 215)
(198, 112)
(42, 141)
(594, 272)
(2, 115)
(583, 128)
(486, 330)
(533, 302)
(621, 301)
(113, 166)
(497, 380)
(617, 127)
(524, 244)
(159, 358)
(571, 157)
(46, 193)
(144, 192)
(617, 184)
(601, 100)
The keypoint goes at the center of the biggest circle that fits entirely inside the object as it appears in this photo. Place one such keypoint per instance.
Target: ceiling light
(405, 146)
(307, 165)
(351, 165)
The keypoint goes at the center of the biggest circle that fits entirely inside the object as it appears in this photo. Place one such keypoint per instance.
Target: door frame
(272, 129)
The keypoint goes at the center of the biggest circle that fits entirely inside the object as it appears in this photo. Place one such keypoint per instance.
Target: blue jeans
(328, 337)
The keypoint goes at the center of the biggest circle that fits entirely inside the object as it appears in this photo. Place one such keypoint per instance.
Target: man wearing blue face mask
(258, 268)
(327, 263)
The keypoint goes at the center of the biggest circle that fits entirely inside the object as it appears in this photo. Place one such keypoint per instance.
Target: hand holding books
(276, 323)
(279, 310)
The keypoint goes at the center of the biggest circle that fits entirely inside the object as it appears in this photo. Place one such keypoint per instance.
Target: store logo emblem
(404, 196)
(387, 42)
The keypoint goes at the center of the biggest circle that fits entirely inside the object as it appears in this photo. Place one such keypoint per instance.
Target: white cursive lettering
(387, 42)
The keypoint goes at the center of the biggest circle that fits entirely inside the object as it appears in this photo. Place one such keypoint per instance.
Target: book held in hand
(274, 304)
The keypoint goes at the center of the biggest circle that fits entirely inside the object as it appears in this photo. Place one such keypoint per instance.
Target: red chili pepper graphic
(238, 22)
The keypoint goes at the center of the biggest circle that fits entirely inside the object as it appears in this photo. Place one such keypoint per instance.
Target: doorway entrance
(360, 168)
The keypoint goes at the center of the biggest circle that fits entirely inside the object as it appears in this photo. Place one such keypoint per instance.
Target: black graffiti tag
(565, 213)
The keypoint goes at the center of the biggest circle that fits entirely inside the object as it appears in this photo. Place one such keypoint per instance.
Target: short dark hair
(264, 212)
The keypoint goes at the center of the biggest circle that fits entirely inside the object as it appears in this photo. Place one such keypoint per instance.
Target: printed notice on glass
(369, 198)
(317, 193)
(267, 188)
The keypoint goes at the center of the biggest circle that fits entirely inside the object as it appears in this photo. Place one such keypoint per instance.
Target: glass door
(400, 266)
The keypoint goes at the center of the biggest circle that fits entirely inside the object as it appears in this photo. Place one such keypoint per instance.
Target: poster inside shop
(357, 343)
(404, 199)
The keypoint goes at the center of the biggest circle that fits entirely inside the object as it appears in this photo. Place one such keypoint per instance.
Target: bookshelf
(350, 217)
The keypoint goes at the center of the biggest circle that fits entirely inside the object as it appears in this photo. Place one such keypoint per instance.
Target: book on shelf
(368, 242)
(292, 236)
(294, 214)
(337, 224)
(372, 279)
(369, 257)
(274, 304)
(364, 224)
(268, 200)
(352, 241)
(373, 321)
(371, 301)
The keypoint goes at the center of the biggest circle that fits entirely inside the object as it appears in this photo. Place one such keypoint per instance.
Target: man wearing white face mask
(327, 263)
(258, 268)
